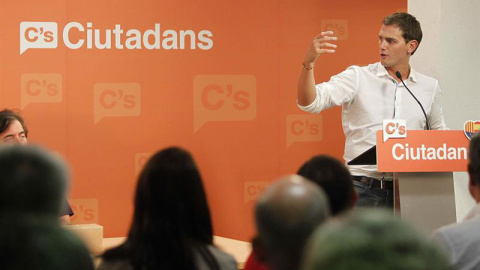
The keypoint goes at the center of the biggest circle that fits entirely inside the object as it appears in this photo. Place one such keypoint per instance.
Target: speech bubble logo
(339, 28)
(140, 161)
(40, 88)
(253, 189)
(224, 98)
(116, 99)
(304, 128)
(38, 35)
(85, 211)
(394, 128)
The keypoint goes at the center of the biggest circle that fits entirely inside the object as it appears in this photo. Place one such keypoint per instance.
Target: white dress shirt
(462, 241)
(368, 95)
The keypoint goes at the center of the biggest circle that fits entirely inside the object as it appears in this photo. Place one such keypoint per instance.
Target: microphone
(399, 75)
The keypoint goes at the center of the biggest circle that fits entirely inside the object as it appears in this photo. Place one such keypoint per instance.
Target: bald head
(286, 214)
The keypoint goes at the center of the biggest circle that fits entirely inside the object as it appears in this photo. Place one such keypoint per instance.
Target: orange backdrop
(228, 95)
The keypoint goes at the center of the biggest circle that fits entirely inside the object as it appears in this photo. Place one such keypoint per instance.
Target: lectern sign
(423, 151)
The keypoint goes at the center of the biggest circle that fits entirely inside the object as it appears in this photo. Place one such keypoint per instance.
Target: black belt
(372, 182)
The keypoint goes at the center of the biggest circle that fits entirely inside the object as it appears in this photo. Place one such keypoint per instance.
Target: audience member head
(171, 215)
(286, 214)
(39, 243)
(371, 239)
(335, 180)
(12, 128)
(32, 185)
(32, 181)
(474, 167)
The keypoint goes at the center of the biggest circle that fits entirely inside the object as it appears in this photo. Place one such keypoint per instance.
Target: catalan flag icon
(470, 128)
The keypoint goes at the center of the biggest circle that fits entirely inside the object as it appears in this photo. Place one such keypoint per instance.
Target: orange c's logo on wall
(45, 35)
(253, 189)
(85, 211)
(224, 98)
(339, 28)
(116, 99)
(42, 35)
(304, 128)
(41, 88)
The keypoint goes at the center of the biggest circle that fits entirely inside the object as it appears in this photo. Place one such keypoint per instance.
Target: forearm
(306, 86)
(306, 82)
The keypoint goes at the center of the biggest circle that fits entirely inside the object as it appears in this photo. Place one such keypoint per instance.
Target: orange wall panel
(228, 96)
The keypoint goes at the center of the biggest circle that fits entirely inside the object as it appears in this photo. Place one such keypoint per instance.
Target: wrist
(308, 66)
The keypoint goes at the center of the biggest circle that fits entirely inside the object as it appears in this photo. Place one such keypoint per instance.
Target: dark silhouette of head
(286, 214)
(335, 180)
(32, 181)
(474, 167)
(371, 239)
(171, 218)
(32, 187)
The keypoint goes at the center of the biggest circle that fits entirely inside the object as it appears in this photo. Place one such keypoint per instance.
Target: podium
(422, 164)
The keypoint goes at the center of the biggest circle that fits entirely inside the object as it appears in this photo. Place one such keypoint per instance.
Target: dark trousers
(369, 196)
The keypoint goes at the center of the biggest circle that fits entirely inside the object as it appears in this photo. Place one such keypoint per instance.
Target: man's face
(394, 52)
(14, 134)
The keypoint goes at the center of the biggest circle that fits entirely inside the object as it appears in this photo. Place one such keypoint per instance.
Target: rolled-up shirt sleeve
(340, 89)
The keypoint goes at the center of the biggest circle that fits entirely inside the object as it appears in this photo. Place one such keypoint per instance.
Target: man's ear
(259, 250)
(412, 45)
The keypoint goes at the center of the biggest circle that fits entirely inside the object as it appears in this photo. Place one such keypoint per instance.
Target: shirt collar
(382, 71)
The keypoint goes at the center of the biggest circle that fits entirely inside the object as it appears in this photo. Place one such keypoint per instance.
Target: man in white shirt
(462, 241)
(370, 94)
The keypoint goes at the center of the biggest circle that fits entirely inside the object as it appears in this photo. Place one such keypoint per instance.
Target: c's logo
(304, 128)
(41, 88)
(394, 128)
(85, 211)
(224, 98)
(252, 190)
(116, 99)
(339, 28)
(38, 35)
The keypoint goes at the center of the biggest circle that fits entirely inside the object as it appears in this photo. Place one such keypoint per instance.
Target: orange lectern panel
(423, 151)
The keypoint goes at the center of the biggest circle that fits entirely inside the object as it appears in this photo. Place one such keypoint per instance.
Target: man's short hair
(372, 239)
(474, 158)
(334, 178)
(32, 181)
(7, 117)
(408, 24)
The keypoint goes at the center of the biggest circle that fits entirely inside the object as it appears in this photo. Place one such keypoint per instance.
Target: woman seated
(171, 227)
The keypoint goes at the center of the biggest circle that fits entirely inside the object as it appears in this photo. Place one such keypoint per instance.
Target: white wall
(450, 52)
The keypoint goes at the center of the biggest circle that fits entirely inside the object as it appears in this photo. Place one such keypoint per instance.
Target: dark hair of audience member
(474, 159)
(7, 117)
(32, 187)
(371, 239)
(31, 181)
(334, 178)
(171, 221)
